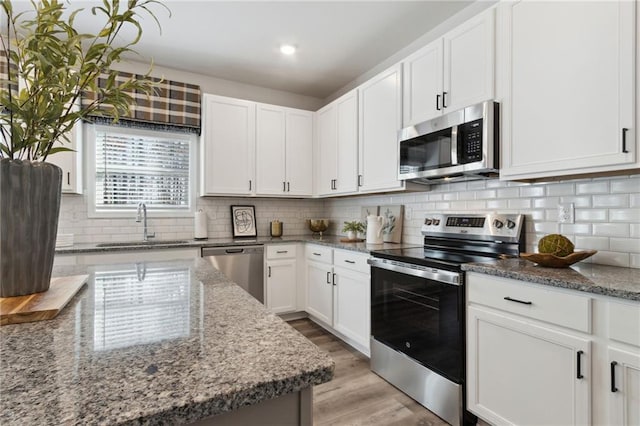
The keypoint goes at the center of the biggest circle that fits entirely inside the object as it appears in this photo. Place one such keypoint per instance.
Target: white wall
(218, 86)
(607, 211)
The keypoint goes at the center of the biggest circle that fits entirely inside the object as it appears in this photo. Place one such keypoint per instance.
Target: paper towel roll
(200, 225)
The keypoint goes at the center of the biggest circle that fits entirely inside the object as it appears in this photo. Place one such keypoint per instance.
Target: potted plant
(50, 65)
(352, 229)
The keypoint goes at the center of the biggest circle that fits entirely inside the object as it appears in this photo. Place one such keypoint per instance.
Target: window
(133, 166)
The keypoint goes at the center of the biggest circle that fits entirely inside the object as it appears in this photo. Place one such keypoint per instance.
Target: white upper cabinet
(228, 146)
(336, 157)
(284, 151)
(452, 72)
(567, 84)
(380, 118)
(299, 152)
(70, 161)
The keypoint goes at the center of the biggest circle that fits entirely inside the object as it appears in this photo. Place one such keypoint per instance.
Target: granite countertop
(327, 240)
(152, 343)
(589, 277)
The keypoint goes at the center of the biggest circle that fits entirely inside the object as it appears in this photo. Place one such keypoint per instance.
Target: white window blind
(132, 167)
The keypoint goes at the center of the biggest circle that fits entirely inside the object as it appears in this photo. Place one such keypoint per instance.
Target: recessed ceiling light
(287, 49)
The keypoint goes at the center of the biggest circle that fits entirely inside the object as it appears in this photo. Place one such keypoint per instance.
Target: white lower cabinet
(338, 295)
(519, 373)
(624, 377)
(319, 279)
(543, 355)
(281, 278)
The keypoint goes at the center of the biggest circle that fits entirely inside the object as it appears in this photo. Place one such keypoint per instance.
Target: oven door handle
(439, 275)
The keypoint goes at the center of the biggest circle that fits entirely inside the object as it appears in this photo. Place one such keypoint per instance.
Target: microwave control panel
(470, 148)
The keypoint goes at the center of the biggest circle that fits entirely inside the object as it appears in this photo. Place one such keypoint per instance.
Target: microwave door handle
(454, 144)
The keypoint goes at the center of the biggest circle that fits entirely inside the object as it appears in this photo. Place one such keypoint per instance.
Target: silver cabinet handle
(334, 279)
(444, 99)
(350, 261)
(624, 140)
(317, 254)
(328, 277)
(68, 178)
(249, 185)
(359, 180)
(288, 186)
(282, 251)
(269, 271)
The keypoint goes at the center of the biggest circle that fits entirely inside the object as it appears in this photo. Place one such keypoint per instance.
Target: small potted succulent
(352, 229)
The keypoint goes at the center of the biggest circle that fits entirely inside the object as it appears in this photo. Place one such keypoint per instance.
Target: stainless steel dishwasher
(244, 265)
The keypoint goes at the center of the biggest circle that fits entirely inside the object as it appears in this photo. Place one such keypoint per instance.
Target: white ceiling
(239, 40)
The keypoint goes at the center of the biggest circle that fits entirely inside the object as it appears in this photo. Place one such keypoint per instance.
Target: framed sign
(243, 221)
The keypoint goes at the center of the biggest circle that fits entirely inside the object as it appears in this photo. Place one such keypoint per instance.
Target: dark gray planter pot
(29, 208)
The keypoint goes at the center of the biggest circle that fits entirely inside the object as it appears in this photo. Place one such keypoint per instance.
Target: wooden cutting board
(41, 306)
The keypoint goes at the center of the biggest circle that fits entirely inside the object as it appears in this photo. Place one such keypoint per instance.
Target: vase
(29, 209)
(351, 235)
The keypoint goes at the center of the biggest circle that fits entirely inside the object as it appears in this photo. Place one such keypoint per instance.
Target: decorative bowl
(552, 261)
(318, 225)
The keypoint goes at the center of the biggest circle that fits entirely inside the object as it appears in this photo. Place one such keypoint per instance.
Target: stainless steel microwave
(461, 144)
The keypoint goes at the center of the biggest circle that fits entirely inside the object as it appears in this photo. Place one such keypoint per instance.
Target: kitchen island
(157, 343)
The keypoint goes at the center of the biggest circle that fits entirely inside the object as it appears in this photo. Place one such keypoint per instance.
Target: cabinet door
(281, 286)
(70, 162)
(380, 112)
(351, 306)
(520, 373)
(326, 149)
(228, 146)
(567, 87)
(320, 291)
(270, 150)
(624, 405)
(299, 152)
(469, 60)
(347, 144)
(422, 91)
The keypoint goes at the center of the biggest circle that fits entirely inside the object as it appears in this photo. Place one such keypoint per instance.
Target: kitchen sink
(141, 243)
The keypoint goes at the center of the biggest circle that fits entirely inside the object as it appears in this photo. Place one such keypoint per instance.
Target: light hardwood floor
(356, 396)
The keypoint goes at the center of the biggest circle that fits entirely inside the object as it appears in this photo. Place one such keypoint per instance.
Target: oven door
(416, 312)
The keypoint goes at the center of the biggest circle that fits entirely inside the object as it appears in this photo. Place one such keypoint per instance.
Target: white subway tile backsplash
(597, 187)
(591, 243)
(560, 189)
(611, 229)
(624, 215)
(549, 202)
(519, 203)
(591, 215)
(607, 221)
(621, 200)
(625, 185)
(629, 245)
(575, 228)
(532, 191)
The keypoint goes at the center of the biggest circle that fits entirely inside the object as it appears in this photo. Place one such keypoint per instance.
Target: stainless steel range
(418, 306)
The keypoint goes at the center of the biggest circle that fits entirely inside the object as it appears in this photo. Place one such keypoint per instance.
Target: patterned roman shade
(172, 105)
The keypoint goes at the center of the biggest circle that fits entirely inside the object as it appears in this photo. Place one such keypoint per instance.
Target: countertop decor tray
(552, 261)
(41, 306)
(355, 240)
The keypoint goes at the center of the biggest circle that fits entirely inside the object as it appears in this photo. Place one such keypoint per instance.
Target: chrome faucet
(142, 217)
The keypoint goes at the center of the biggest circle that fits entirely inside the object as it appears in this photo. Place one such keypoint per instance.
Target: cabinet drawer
(281, 251)
(624, 322)
(532, 301)
(351, 260)
(319, 253)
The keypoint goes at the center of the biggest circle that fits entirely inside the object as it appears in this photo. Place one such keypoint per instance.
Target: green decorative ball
(555, 244)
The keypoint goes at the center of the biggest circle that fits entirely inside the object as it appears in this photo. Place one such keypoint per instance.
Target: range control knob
(511, 224)
(427, 221)
(436, 222)
(498, 223)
